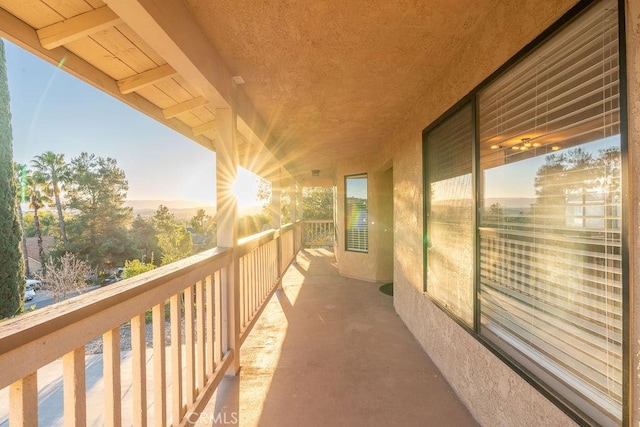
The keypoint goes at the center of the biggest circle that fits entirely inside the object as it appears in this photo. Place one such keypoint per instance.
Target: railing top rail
(288, 226)
(163, 280)
(249, 243)
(314, 221)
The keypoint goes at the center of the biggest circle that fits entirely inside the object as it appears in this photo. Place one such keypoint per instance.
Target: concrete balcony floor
(331, 351)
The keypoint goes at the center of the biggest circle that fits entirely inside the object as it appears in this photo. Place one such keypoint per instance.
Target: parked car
(113, 277)
(29, 292)
(36, 285)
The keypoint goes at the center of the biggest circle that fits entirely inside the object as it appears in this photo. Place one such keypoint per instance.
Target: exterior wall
(633, 99)
(494, 393)
(384, 265)
(376, 265)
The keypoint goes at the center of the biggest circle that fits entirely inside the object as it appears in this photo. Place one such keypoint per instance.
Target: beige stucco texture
(334, 79)
(633, 99)
(376, 265)
(494, 393)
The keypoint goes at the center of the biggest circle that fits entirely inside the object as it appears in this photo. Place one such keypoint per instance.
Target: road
(44, 298)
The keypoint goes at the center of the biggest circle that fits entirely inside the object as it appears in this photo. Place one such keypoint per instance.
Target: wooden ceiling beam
(169, 29)
(146, 78)
(200, 129)
(184, 107)
(79, 26)
(23, 35)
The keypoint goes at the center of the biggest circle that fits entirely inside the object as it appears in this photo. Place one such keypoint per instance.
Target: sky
(518, 179)
(54, 111)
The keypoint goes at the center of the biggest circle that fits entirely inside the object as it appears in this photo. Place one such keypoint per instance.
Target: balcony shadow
(332, 351)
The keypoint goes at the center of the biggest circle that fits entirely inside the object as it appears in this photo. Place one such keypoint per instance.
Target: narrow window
(450, 214)
(357, 213)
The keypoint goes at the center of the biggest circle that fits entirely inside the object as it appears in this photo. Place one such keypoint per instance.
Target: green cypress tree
(11, 261)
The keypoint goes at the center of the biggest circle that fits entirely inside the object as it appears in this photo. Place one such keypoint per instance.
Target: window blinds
(564, 94)
(357, 214)
(450, 215)
(550, 238)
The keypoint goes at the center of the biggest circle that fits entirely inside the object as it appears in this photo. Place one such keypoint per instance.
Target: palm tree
(20, 176)
(35, 183)
(54, 172)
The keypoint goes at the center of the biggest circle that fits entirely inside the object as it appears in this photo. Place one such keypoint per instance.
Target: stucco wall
(633, 97)
(493, 392)
(376, 265)
(384, 266)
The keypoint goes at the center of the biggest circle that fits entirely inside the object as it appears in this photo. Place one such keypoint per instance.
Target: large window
(357, 213)
(548, 247)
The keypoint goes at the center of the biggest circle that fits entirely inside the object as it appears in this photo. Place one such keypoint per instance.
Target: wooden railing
(319, 232)
(204, 306)
(262, 260)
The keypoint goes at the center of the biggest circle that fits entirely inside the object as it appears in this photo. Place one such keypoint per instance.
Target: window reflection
(550, 255)
(450, 233)
(357, 213)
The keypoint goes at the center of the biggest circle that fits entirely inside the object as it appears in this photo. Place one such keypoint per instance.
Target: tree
(135, 267)
(204, 229)
(494, 216)
(20, 175)
(198, 221)
(550, 190)
(54, 172)
(317, 203)
(47, 221)
(11, 262)
(144, 237)
(265, 196)
(565, 183)
(97, 191)
(173, 238)
(37, 200)
(67, 275)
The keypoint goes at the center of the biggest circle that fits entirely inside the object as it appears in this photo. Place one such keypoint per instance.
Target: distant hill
(512, 202)
(182, 209)
(171, 204)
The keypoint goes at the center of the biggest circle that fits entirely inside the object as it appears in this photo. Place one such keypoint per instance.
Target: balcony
(315, 348)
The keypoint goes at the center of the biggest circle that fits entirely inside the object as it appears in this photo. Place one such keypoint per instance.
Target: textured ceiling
(333, 78)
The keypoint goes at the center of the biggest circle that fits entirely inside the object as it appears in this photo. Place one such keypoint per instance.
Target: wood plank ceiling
(93, 33)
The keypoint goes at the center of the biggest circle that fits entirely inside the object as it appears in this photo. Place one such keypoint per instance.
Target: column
(227, 224)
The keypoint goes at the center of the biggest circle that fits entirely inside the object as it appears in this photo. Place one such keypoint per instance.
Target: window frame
(466, 102)
(346, 213)
(554, 396)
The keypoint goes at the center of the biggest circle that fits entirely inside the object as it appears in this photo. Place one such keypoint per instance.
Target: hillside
(182, 209)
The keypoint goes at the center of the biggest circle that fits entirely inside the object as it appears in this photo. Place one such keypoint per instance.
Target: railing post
(299, 204)
(276, 220)
(301, 215)
(74, 388)
(227, 225)
(139, 369)
(23, 401)
(279, 259)
(112, 382)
